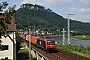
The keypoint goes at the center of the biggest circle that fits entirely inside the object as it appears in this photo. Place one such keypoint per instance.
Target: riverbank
(80, 37)
(80, 50)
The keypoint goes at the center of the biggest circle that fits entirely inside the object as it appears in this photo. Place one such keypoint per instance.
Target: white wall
(7, 53)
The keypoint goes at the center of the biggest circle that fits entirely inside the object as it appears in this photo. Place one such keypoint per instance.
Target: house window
(3, 47)
(6, 58)
(0, 42)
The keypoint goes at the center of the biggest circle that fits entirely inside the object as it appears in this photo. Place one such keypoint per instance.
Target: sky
(81, 8)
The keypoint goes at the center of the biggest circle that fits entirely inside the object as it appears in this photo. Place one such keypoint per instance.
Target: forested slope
(30, 15)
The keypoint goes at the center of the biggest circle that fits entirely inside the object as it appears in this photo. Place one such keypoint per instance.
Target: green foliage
(22, 55)
(5, 17)
(18, 41)
(3, 6)
(79, 49)
(46, 20)
(88, 48)
(23, 50)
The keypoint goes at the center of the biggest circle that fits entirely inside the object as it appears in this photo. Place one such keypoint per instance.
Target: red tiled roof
(12, 26)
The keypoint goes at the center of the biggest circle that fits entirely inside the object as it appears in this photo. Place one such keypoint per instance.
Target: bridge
(59, 55)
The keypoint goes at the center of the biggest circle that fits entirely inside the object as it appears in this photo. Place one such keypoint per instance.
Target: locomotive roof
(41, 38)
(44, 38)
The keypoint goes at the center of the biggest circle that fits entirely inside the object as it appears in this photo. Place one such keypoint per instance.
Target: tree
(18, 41)
(5, 16)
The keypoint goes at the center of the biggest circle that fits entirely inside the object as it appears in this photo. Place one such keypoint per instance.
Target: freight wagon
(47, 44)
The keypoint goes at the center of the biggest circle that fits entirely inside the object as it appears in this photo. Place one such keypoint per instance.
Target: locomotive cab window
(50, 42)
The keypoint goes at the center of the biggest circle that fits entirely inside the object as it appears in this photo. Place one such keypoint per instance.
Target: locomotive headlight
(40, 42)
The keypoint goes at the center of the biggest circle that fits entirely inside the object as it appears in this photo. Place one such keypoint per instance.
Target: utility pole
(29, 44)
(34, 30)
(69, 29)
(63, 36)
(59, 33)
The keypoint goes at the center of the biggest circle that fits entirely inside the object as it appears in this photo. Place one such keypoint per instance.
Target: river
(84, 43)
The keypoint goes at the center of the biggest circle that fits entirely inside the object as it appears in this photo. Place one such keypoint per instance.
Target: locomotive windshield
(50, 42)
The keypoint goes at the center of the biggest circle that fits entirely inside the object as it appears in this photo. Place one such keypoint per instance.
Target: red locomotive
(47, 44)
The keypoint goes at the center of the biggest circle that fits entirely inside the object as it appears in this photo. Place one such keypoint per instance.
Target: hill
(29, 15)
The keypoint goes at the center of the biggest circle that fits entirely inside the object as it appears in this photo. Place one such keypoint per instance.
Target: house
(8, 42)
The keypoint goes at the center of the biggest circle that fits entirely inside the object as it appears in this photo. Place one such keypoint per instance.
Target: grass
(23, 51)
(76, 49)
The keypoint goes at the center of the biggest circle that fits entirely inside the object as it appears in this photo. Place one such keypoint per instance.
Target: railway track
(48, 55)
(69, 56)
(61, 55)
